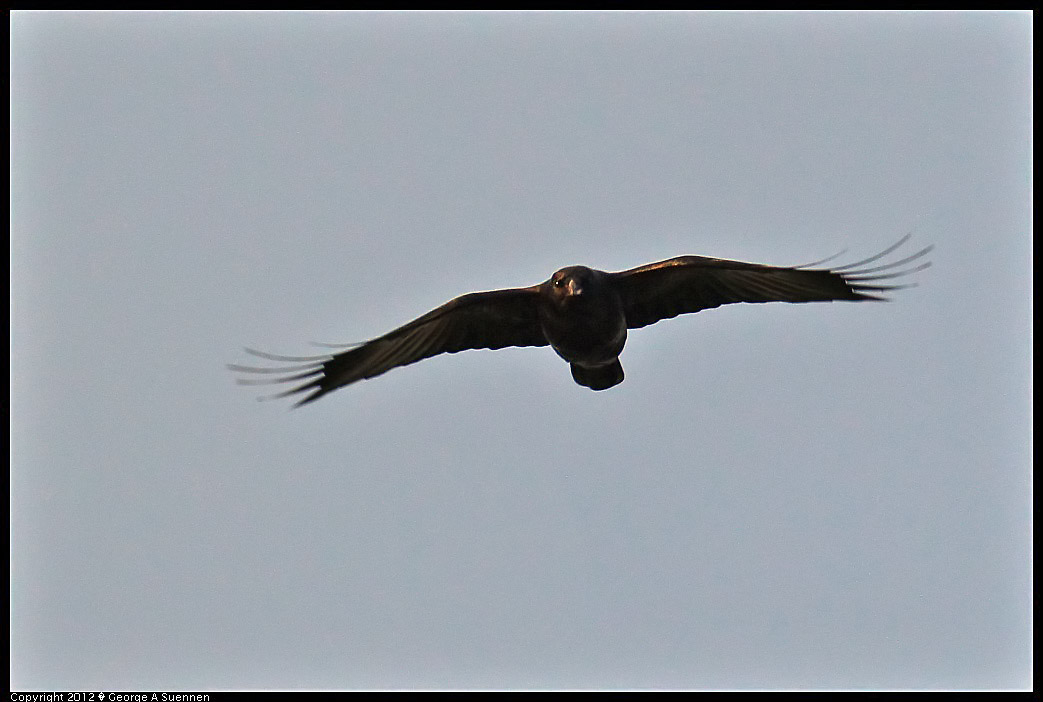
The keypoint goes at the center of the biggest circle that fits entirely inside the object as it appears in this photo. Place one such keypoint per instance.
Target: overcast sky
(821, 496)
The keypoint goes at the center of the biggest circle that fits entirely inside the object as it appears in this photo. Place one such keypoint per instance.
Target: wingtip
(876, 257)
(286, 359)
(310, 398)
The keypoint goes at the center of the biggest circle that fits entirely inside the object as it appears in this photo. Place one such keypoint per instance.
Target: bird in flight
(584, 314)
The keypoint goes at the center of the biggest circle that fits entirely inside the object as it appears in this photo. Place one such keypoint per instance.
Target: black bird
(584, 315)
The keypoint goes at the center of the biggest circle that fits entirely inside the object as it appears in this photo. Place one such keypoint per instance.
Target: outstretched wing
(485, 320)
(693, 283)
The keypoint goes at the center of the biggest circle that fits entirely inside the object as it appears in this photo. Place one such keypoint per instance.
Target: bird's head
(572, 284)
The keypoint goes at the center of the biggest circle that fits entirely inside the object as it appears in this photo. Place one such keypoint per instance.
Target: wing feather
(693, 283)
(485, 320)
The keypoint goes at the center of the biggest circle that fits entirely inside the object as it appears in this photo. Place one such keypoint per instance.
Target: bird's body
(584, 315)
(583, 320)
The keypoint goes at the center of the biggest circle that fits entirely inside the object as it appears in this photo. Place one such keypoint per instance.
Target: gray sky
(779, 496)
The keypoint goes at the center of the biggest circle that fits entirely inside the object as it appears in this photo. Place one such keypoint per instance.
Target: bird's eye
(558, 282)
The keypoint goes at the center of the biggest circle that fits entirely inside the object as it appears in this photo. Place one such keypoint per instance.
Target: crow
(584, 315)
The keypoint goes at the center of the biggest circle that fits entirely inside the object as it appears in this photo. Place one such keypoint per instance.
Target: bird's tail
(600, 377)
